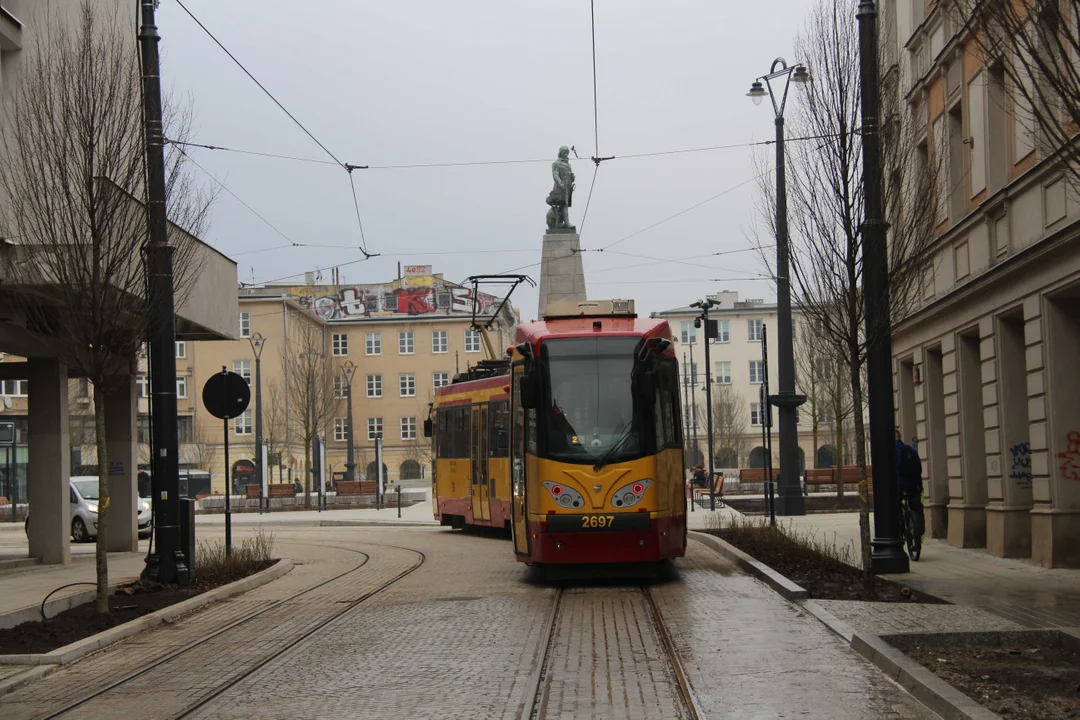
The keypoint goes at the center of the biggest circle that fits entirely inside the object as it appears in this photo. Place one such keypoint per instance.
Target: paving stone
(889, 618)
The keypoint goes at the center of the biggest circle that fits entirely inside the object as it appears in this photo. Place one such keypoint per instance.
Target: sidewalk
(1013, 589)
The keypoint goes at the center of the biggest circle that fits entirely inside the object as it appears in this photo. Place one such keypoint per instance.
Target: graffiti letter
(1070, 458)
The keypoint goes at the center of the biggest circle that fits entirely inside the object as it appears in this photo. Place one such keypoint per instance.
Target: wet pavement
(465, 635)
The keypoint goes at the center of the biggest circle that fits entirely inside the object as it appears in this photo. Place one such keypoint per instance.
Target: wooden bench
(280, 490)
(698, 494)
(4, 500)
(850, 476)
(356, 487)
(757, 475)
(253, 491)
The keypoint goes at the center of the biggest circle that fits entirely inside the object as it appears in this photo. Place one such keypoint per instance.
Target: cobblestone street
(466, 635)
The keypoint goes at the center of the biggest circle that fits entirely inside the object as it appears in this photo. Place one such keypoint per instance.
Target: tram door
(481, 506)
(517, 470)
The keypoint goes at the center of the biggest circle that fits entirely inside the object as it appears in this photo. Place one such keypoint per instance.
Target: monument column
(562, 277)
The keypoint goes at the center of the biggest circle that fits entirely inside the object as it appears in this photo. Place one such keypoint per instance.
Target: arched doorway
(726, 457)
(410, 470)
(371, 471)
(826, 456)
(757, 457)
(243, 474)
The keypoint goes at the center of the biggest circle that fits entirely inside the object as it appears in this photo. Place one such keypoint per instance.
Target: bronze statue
(561, 196)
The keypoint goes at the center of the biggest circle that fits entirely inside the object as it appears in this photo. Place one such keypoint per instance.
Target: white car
(84, 510)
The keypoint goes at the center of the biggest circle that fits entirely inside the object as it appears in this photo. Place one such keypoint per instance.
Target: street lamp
(349, 368)
(789, 499)
(710, 333)
(257, 344)
(888, 554)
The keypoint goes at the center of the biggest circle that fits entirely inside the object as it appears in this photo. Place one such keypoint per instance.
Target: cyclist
(909, 479)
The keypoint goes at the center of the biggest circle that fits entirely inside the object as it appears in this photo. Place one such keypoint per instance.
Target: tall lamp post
(257, 343)
(349, 368)
(789, 499)
(710, 333)
(888, 554)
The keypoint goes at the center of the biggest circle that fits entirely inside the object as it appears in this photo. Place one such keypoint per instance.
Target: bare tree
(275, 432)
(731, 425)
(826, 197)
(309, 387)
(73, 172)
(1035, 44)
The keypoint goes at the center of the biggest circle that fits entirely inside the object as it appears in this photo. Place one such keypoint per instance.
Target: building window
(755, 414)
(245, 324)
(374, 428)
(687, 332)
(243, 369)
(693, 373)
(339, 344)
(407, 385)
(341, 430)
(472, 341)
(185, 428)
(341, 387)
(181, 350)
(722, 331)
(242, 424)
(374, 386)
(753, 330)
(405, 343)
(440, 379)
(84, 387)
(408, 428)
(373, 344)
(142, 384)
(757, 371)
(142, 429)
(181, 386)
(438, 341)
(723, 372)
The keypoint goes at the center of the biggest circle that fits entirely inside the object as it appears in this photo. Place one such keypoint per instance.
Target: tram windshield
(590, 413)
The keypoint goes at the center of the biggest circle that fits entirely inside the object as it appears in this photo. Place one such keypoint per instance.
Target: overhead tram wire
(347, 167)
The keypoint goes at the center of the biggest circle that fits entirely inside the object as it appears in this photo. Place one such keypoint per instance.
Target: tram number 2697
(589, 522)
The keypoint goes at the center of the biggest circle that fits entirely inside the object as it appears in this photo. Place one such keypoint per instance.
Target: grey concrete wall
(562, 276)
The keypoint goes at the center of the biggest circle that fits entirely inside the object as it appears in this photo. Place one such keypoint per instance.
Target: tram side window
(667, 406)
(452, 432)
(499, 429)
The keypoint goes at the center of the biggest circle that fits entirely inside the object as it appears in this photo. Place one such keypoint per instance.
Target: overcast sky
(430, 81)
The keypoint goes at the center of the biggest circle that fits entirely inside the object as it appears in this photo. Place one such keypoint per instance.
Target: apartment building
(986, 366)
(738, 371)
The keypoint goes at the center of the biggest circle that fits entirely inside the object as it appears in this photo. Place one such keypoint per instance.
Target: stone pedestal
(937, 520)
(1008, 531)
(49, 468)
(1055, 538)
(561, 274)
(967, 526)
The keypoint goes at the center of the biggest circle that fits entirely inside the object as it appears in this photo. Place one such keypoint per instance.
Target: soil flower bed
(826, 570)
(213, 569)
(1015, 682)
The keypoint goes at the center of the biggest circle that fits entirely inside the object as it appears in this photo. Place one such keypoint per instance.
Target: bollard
(399, 501)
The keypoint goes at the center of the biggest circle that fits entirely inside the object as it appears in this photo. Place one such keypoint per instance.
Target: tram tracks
(559, 630)
(274, 655)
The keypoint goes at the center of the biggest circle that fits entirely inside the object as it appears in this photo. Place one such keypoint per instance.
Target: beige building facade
(986, 369)
(737, 374)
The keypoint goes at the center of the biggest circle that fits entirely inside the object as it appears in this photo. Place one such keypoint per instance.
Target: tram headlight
(630, 494)
(566, 497)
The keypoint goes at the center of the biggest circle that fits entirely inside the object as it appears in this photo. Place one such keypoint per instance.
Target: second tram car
(596, 447)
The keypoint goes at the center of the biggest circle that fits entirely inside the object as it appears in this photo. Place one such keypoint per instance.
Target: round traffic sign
(226, 395)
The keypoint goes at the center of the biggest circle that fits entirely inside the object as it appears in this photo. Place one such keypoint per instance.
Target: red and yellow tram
(596, 459)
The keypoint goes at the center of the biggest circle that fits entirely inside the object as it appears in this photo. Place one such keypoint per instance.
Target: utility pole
(693, 397)
(167, 564)
(349, 368)
(710, 333)
(888, 554)
(257, 343)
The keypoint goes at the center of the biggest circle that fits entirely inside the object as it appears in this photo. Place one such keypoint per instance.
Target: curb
(923, 685)
(760, 570)
(32, 613)
(17, 563)
(378, 523)
(47, 662)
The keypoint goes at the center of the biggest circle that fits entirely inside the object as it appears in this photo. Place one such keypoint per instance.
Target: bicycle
(909, 529)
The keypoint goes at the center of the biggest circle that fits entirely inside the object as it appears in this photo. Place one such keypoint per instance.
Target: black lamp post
(257, 344)
(710, 333)
(789, 499)
(888, 555)
(349, 368)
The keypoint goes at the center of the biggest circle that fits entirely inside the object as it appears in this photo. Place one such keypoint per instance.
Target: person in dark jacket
(909, 478)
(699, 479)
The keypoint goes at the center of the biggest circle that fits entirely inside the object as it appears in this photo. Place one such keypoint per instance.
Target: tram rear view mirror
(427, 427)
(530, 393)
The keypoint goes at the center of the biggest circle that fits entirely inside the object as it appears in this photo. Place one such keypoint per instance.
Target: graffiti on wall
(1070, 458)
(416, 298)
(1020, 473)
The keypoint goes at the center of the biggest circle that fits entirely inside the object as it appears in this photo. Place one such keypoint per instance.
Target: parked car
(84, 510)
